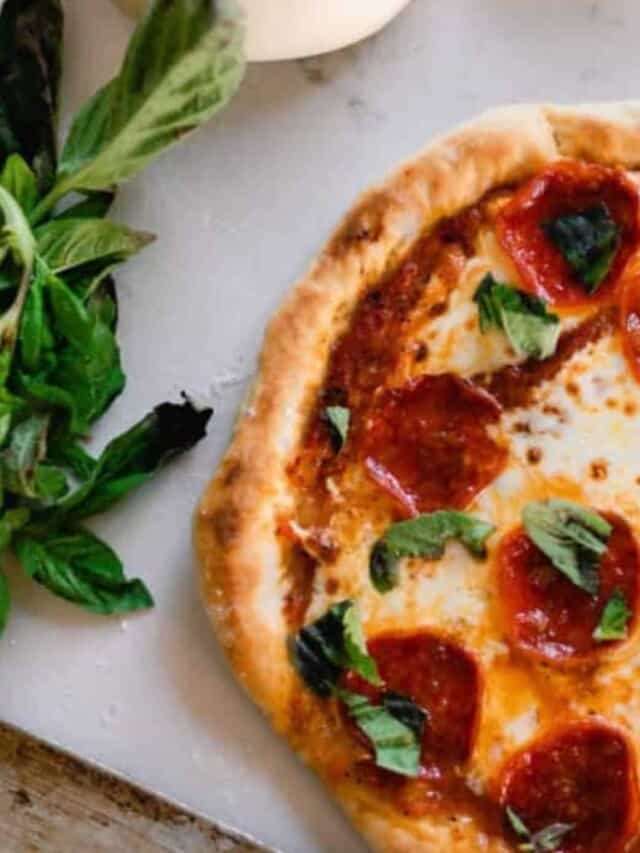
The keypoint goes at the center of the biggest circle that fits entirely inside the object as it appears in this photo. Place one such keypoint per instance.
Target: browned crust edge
(235, 525)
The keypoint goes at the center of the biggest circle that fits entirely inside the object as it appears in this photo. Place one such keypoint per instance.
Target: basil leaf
(425, 536)
(532, 330)
(18, 179)
(72, 319)
(396, 746)
(183, 64)
(26, 449)
(331, 644)
(30, 65)
(517, 824)
(589, 242)
(94, 205)
(572, 537)
(77, 566)
(33, 330)
(406, 710)
(5, 600)
(67, 243)
(614, 619)
(338, 419)
(551, 837)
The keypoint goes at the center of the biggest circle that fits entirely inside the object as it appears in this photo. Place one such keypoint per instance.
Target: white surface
(239, 210)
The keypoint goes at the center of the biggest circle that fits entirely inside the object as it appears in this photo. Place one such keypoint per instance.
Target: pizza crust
(240, 573)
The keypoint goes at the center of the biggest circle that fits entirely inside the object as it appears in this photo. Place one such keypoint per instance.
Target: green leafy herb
(184, 63)
(338, 418)
(572, 537)
(396, 745)
(60, 364)
(589, 241)
(545, 840)
(614, 619)
(425, 536)
(532, 330)
(331, 644)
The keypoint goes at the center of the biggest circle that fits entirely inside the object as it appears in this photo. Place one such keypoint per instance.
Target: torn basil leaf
(322, 650)
(546, 840)
(532, 330)
(572, 537)
(396, 745)
(425, 536)
(338, 419)
(589, 242)
(406, 710)
(614, 619)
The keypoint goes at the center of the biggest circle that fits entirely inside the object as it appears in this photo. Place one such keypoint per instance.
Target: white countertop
(240, 210)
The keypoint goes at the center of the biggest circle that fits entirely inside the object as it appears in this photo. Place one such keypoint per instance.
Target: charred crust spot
(534, 455)
(437, 309)
(421, 352)
(522, 427)
(599, 469)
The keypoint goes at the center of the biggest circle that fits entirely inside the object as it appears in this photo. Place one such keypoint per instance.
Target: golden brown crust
(241, 574)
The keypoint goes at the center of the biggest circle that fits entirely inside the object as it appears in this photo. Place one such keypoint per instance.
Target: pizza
(420, 551)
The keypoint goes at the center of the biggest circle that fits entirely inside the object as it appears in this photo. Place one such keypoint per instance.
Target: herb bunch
(60, 365)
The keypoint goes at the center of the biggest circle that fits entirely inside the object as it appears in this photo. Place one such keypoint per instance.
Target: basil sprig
(546, 840)
(614, 619)
(338, 418)
(572, 537)
(425, 536)
(532, 330)
(60, 365)
(589, 241)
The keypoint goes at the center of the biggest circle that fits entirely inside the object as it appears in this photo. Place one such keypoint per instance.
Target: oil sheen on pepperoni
(581, 774)
(438, 675)
(546, 614)
(427, 443)
(566, 187)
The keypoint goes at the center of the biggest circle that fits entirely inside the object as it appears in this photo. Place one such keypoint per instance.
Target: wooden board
(51, 801)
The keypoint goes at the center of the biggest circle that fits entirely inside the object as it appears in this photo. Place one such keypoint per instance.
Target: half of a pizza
(420, 551)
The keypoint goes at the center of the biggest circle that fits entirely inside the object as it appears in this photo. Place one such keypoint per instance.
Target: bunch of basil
(60, 364)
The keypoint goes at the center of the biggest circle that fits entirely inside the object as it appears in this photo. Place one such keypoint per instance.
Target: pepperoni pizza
(420, 551)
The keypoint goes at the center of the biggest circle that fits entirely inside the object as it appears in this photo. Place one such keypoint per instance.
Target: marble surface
(239, 211)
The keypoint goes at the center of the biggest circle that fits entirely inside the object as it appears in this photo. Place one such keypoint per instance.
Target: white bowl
(287, 29)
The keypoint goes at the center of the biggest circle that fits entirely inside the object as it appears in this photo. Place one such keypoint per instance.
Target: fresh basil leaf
(395, 744)
(425, 536)
(49, 398)
(33, 330)
(78, 567)
(331, 644)
(10, 522)
(94, 205)
(551, 837)
(72, 319)
(572, 537)
(517, 824)
(614, 619)
(184, 63)
(338, 419)
(63, 451)
(18, 179)
(406, 711)
(26, 449)
(589, 241)
(532, 330)
(30, 65)
(68, 243)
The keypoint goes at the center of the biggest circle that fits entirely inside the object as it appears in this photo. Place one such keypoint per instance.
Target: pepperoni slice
(581, 774)
(564, 188)
(439, 676)
(549, 617)
(427, 444)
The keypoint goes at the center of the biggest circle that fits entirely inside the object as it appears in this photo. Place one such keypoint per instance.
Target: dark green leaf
(80, 568)
(396, 746)
(532, 331)
(425, 536)
(183, 64)
(338, 418)
(406, 710)
(30, 63)
(573, 538)
(68, 243)
(614, 619)
(72, 319)
(517, 824)
(551, 837)
(18, 179)
(26, 448)
(5, 600)
(34, 330)
(323, 649)
(589, 241)
(94, 205)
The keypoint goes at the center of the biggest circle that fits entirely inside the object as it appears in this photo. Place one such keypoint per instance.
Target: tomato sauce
(581, 774)
(566, 187)
(427, 443)
(549, 617)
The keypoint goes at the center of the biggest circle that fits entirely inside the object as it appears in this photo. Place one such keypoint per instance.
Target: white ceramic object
(288, 29)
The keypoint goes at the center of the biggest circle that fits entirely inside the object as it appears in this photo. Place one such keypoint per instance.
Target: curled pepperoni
(581, 774)
(566, 187)
(439, 676)
(548, 616)
(427, 444)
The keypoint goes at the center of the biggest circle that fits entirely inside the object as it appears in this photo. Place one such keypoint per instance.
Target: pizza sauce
(545, 614)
